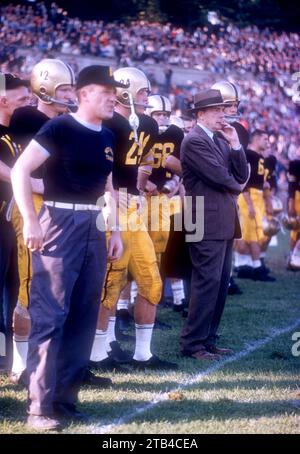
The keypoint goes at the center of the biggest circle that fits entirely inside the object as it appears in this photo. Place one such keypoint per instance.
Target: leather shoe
(39, 422)
(203, 354)
(19, 379)
(91, 379)
(218, 351)
(68, 411)
(118, 355)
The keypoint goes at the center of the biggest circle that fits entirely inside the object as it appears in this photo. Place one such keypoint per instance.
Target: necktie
(216, 140)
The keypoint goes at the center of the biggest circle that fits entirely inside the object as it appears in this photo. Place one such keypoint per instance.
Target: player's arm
(115, 246)
(31, 159)
(174, 165)
(292, 188)
(144, 171)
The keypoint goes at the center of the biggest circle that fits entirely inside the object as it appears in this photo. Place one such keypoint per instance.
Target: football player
(254, 204)
(294, 212)
(135, 135)
(165, 184)
(52, 84)
(14, 93)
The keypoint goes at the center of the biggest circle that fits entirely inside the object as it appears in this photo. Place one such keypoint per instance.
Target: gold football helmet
(47, 76)
(228, 91)
(135, 80)
(291, 222)
(230, 96)
(158, 103)
(271, 226)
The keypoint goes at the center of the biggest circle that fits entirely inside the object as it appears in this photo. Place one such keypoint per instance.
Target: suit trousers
(64, 301)
(211, 262)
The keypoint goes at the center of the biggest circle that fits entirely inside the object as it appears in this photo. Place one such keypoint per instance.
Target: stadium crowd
(262, 62)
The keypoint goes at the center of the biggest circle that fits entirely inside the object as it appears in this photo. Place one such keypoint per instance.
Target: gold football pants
(295, 234)
(160, 208)
(252, 229)
(138, 259)
(24, 254)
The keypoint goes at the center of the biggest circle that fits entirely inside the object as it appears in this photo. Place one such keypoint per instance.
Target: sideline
(163, 397)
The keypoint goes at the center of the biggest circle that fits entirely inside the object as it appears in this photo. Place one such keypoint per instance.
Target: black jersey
(168, 143)
(294, 177)
(79, 160)
(8, 155)
(257, 175)
(270, 171)
(25, 123)
(242, 133)
(128, 154)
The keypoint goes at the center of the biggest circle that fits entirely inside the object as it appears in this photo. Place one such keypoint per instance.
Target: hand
(251, 211)
(230, 134)
(33, 235)
(266, 186)
(269, 208)
(37, 185)
(151, 188)
(292, 212)
(115, 247)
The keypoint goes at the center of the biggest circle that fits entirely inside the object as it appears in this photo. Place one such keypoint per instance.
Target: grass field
(257, 390)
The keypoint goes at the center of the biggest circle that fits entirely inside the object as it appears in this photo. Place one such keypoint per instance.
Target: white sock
(143, 340)
(111, 337)
(20, 351)
(295, 257)
(178, 291)
(262, 255)
(256, 263)
(122, 304)
(133, 292)
(99, 349)
(241, 259)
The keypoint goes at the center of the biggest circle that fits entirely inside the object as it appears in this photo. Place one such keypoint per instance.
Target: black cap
(207, 98)
(10, 82)
(97, 74)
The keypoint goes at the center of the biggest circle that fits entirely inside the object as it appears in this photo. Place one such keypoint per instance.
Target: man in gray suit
(214, 167)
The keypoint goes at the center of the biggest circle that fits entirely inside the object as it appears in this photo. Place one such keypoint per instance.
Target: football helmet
(135, 80)
(228, 91)
(291, 222)
(230, 95)
(271, 226)
(158, 103)
(47, 76)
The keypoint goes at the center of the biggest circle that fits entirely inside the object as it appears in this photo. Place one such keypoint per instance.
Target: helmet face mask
(138, 86)
(47, 76)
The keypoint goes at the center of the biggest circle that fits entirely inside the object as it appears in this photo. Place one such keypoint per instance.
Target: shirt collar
(208, 131)
(86, 124)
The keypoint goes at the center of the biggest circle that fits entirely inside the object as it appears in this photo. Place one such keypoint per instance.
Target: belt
(72, 206)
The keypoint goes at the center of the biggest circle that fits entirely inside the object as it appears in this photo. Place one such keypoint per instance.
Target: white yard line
(161, 397)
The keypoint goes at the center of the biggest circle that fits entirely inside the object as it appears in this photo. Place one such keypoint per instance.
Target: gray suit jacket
(215, 172)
